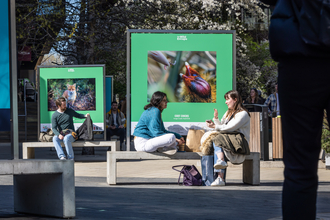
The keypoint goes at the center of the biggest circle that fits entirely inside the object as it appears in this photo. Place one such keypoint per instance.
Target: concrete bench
(28, 147)
(251, 165)
(42, 187)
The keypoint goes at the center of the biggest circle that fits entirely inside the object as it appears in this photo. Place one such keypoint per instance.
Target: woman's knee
(171, 138)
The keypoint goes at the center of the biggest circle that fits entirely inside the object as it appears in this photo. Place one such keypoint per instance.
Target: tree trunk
(87, 48)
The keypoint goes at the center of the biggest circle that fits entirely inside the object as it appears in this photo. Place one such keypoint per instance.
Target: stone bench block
(251, 165)
(42, 187)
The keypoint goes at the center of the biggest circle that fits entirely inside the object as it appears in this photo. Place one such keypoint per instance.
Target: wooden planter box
(259, 134)
(277, 138)
(255, 145)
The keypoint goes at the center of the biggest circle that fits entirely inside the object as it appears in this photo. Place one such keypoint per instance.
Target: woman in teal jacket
(150, 133)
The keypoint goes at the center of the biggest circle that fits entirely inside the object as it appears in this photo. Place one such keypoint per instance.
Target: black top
(254, 108)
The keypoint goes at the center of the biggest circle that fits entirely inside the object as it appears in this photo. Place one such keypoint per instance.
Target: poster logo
(181, 38)
(70, 70)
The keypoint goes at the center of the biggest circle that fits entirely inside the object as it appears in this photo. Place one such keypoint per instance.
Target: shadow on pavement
(168, 201)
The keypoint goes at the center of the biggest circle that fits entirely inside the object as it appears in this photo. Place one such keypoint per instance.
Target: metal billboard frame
(70, 66)
(128, 65)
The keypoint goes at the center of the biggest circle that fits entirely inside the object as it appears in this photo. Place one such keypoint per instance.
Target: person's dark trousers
(304, 93)
(119, 132)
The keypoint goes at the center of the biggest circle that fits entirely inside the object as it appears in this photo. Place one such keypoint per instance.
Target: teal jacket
(151, 125)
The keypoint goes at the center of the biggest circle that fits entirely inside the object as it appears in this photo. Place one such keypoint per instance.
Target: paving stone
(149, 190)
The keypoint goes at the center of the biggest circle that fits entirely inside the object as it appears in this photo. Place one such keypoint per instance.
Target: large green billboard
(194, 68)
(83, 88)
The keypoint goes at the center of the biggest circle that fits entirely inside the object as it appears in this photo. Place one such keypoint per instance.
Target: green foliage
(325, 138)
(257, 70)
(120, 88)
(94, 31)
(38, 23)
(115, 65)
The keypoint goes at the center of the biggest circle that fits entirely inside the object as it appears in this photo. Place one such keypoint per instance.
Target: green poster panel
(194, 68)
(83, 88)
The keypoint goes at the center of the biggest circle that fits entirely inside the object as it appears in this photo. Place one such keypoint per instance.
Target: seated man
(62, 120)
(115, 123)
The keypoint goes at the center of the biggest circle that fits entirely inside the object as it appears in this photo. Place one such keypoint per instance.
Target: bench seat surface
(74, 144)
(28, 147)
(160, 156)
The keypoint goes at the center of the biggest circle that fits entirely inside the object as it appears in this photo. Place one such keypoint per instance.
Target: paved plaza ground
(149, 190)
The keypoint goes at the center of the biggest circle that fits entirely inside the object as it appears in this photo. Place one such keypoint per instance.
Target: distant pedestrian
(273, 103)
(253, 99)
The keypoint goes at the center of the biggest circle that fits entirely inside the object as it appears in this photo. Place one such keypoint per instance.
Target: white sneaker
(220, 164)
(62, 158)
(167, 150)
(218, 182)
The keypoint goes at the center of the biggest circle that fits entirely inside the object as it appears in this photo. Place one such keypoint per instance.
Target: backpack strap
(183, 166)
(178, 166)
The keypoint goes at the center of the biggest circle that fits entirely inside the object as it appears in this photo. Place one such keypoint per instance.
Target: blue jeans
(68, 139)
(218, 150)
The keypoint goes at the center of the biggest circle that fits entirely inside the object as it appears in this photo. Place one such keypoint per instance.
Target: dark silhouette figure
(298, 38)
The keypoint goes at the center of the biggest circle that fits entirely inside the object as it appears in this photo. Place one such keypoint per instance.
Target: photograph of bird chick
(197, 86)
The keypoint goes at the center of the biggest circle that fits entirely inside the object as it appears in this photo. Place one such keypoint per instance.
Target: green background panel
(141, 43)
(79, 73)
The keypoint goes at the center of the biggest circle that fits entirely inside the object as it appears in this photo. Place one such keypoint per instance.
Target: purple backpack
(191, 176)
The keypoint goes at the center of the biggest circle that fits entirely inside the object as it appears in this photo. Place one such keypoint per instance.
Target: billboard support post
(128, 92)
(13, 68)
(108, 96)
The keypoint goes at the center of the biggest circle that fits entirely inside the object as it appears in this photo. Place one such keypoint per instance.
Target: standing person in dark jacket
(62, 119)
(304, 93)
(273, 103)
